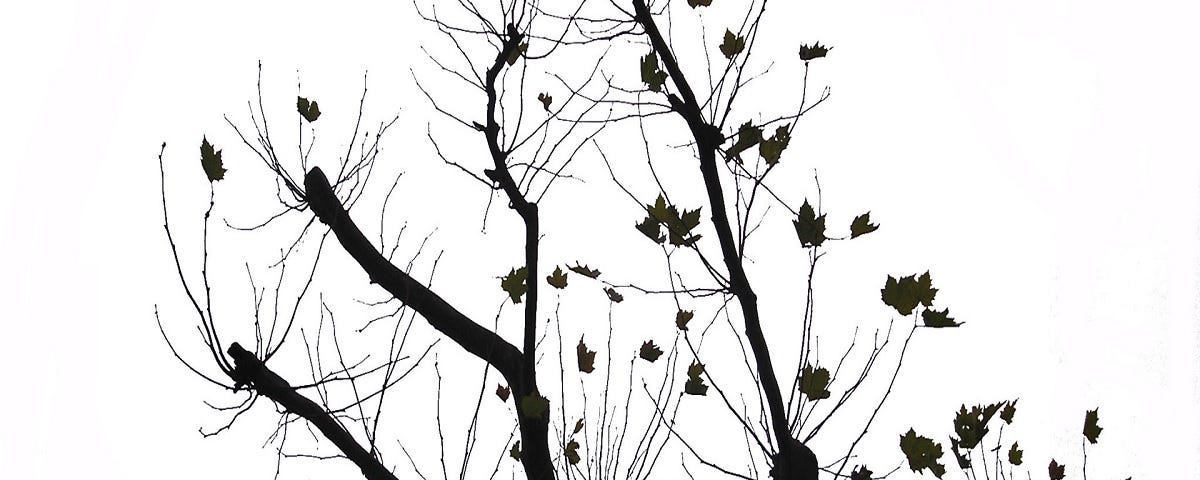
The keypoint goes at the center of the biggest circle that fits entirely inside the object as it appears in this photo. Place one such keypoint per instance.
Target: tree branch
(479, 341)
(794, 460)
(249, 370)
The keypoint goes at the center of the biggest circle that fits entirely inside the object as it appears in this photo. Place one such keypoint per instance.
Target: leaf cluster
(679, 225)
(905, 293)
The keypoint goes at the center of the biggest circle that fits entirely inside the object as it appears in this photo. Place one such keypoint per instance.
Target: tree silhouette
(704, 240)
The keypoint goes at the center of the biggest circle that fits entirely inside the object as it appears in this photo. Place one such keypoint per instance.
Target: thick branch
(249, 370)
(479, 341)
(527, 210)
(536, 454)
(793, 458)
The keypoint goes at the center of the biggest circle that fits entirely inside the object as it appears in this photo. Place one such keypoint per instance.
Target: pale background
(1038, 157)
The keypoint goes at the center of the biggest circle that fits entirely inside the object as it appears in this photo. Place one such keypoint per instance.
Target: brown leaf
(682, 318)
(649, 351)
(613, 295)
(585, 357)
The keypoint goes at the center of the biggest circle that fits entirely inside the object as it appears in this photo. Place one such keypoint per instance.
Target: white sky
(1037, 157)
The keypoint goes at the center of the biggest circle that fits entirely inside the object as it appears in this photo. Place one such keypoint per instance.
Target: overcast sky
(1038, 157)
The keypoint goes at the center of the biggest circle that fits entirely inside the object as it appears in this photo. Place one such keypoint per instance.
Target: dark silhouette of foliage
(778, 408)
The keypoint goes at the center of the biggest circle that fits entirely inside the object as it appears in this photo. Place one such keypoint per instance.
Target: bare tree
(530, 148)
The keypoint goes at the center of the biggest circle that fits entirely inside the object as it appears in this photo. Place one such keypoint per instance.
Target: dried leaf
(613, 295)
(682, 318)
(584, 270)
(586, 358)
(650, 352)
(572, 452)
(1057, 472)
(816, 50)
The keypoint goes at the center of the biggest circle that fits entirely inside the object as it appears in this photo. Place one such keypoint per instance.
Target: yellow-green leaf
(679, 225)
(862, 225)
(514, 283)
(534, 405)
(651, 229)
(748, 136)
(558, 279)
(517, 53)
(772, 148)
(906, 293)
(814, 383)
(652, 75)
(732, 45)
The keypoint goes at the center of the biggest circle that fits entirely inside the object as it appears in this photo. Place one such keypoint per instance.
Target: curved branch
(795, 460)
(249, 370)
(479, 341)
